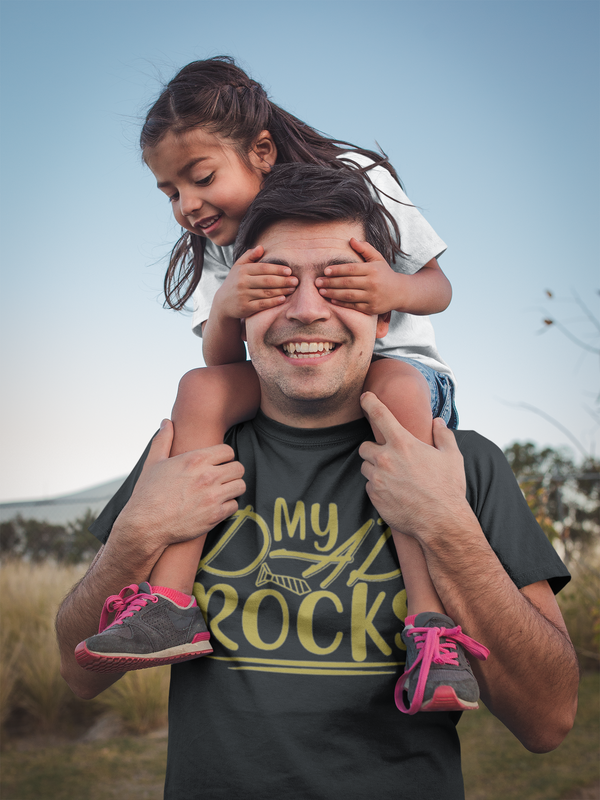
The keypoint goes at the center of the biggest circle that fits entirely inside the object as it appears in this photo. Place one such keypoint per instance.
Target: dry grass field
(55, 747)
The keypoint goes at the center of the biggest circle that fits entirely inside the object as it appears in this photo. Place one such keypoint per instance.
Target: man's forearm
(175, 500)
(530, 679)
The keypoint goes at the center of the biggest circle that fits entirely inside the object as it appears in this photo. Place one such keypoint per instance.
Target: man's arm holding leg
(530, 679)
(79, 614)
(175, 499)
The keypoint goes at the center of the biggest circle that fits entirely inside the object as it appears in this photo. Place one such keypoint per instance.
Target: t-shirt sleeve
(507, 521)
(215, 268)
(102, 525)
(419, 242)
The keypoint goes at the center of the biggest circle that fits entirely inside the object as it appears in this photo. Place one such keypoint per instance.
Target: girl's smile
(208, 183)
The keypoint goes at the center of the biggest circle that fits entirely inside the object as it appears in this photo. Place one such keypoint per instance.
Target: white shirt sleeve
(409, 336)
(418, 240)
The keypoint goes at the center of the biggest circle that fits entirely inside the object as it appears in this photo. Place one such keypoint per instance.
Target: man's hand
(253, 286)
(413, 486)
(371, 286)
(530, 679)
(175, 499)
(181, 498)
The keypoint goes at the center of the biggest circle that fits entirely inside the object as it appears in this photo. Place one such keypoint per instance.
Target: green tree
(564, 497)
(38, 540)
(81, 545)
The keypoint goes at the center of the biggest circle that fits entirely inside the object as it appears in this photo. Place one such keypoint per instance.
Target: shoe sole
(445, 699)
(117, 662)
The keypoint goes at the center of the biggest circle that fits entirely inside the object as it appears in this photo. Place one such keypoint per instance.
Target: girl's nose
(189, 202)
(305, 304)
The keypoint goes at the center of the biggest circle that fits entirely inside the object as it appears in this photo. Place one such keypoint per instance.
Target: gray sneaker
(438, 676)
(148, 630)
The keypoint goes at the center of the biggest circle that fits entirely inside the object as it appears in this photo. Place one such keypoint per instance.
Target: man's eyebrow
(280, 261)
(331, 262)
(186, 168)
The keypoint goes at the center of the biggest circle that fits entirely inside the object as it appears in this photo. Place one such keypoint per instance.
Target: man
(299, 580)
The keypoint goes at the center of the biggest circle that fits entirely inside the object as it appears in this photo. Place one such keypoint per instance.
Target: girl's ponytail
(184, 270)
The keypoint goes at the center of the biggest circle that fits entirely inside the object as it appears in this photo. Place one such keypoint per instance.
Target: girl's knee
(228, 394)
(215, 382)
(405, 391)
(197, 381)
(398, 382)
(194, 389)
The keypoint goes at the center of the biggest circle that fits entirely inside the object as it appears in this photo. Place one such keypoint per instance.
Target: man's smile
(302, 349)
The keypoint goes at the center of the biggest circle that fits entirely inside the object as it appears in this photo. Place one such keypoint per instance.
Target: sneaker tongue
(432, 619)
(145, 588)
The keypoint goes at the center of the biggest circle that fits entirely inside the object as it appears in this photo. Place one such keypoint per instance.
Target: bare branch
(593, 414)
(586, 310)
(566, 332)
(552, 421)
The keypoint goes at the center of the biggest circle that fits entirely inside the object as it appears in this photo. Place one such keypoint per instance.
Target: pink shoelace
(433, 651)
(124, 605)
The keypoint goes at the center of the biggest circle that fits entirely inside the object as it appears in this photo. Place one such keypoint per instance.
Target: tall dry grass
(580, 606)
(30, 659)
(30, 682)
(9, 670)
(31, 685)
(140, 699)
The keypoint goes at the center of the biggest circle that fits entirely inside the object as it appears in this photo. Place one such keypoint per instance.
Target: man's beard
(302, 407)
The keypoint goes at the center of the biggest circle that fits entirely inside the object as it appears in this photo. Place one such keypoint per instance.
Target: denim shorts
(441, 389)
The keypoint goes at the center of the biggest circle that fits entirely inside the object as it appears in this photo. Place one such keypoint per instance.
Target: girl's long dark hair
(218, 96)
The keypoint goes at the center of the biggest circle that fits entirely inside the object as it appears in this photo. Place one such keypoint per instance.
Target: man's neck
(311, 413)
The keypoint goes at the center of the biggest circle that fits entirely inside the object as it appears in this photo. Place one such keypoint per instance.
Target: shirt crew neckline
(307, 437)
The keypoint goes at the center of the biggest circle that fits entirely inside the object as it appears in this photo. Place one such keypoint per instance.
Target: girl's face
(207, 182)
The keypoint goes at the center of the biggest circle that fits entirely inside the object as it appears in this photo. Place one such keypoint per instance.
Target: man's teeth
(308, 349)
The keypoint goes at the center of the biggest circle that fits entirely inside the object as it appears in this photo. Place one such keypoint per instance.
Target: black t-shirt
(305, 602)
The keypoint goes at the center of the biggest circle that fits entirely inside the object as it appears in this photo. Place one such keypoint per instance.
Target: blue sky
(489, 111)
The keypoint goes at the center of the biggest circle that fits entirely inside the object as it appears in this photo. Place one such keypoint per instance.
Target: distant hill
(63, 509)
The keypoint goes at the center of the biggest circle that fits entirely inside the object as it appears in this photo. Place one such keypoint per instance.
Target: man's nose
(306, 305)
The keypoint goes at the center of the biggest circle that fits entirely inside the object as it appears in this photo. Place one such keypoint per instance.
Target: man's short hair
(316, 194)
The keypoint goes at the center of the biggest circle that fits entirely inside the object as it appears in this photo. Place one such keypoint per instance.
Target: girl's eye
(206, 181)
(173, 197)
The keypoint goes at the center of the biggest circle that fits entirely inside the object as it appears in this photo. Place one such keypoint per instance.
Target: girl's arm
(222, 340)
(427, 291)
(249, 287)
(372, 286)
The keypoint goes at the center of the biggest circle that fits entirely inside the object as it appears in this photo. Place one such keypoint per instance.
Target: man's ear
(383, 324)
(263, 153)
(244, 338)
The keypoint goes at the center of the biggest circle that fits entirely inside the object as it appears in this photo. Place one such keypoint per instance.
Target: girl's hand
(371, 286)
(252, 286)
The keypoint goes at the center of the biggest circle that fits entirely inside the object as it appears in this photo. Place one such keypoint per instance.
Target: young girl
(210, 139)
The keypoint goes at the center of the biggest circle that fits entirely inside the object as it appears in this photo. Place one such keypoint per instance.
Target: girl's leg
(209, 401)
(404, 390)
(448, 683)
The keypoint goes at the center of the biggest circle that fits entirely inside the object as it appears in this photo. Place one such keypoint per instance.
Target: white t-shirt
(409, 336)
